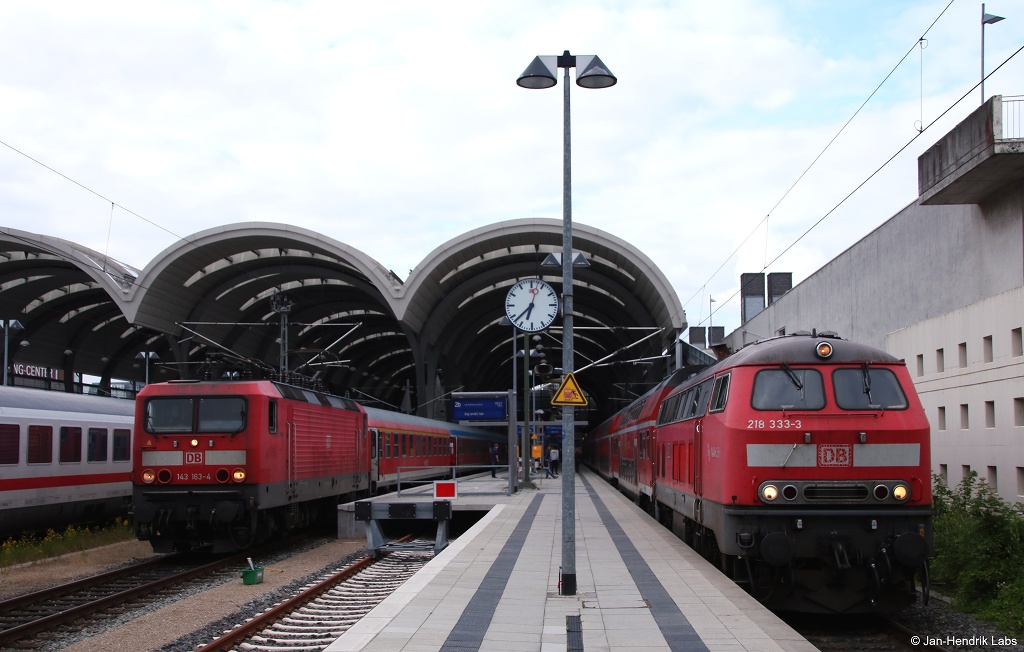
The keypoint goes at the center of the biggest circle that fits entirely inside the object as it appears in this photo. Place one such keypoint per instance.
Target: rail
(1013, 117)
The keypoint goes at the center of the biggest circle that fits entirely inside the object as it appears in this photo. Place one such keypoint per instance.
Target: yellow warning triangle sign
(569, 392)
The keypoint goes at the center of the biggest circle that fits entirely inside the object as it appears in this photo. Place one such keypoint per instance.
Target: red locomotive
(236, 462)
(800, 465)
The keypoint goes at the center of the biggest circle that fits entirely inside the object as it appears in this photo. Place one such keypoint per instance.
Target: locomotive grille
(836, 492)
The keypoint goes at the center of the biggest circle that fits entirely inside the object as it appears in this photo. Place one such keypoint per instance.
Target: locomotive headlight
(238, 475)
(148, 476)
(769, 492)
(823, 350)
(900, 492)
(195, 442)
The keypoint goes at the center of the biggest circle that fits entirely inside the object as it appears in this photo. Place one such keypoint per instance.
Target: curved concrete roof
(350, 319)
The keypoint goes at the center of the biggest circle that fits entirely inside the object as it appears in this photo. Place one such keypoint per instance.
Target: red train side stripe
(62, 481)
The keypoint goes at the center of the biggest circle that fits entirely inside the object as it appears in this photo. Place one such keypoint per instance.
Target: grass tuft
(34, 547)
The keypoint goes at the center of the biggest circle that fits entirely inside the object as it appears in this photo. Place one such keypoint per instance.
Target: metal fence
(414, 475)
(1013, 115)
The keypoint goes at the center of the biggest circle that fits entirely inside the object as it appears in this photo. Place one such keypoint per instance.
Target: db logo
(835, 455)
(196, 457)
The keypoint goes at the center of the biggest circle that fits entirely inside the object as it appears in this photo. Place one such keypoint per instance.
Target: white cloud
(395, 126)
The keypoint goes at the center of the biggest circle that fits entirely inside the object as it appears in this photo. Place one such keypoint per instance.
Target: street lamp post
(986, 19)
(590, 73)
(9, 325)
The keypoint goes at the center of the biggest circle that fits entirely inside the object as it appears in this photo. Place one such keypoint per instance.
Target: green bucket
(252, 575)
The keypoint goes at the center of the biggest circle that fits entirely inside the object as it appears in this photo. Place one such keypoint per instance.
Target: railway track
(38, 615)
(862, 633)
(321, 612)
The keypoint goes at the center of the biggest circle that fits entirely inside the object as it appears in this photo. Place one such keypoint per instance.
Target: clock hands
(529, 309)
(525, 313)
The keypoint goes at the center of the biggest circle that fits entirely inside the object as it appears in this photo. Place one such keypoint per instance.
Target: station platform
(496, 586)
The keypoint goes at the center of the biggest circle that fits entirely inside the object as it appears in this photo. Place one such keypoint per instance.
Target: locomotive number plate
(835, 455)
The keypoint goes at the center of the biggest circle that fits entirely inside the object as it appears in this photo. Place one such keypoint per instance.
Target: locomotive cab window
(168, 415)
(221, 414)
(788, 389)
(868, 389)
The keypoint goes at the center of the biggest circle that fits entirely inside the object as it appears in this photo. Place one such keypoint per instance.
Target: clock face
(531, 305)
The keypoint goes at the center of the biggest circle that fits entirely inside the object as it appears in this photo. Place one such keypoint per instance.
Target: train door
(453, 454)
(698, 438)
(616, 463)
(644, 477)
(291, 436)
(376, 446)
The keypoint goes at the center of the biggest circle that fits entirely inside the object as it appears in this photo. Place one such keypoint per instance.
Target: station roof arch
(351, 321)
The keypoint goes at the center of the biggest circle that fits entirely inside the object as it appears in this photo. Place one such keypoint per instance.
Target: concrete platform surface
(496, 587)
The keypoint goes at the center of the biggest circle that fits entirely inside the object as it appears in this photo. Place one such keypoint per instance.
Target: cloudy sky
(396, 126)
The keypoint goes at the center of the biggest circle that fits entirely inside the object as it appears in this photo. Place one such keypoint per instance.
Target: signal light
(238, 475)
(148, 476)
(823, 350)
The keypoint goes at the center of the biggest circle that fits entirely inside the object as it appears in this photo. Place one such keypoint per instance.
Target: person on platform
(494, 460)
(546, 464)
(553, 460)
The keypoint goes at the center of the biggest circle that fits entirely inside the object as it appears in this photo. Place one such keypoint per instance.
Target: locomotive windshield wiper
(867, 381)
(792, 375)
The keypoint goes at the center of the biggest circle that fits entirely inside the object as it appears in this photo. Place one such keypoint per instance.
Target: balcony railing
(1013, 117)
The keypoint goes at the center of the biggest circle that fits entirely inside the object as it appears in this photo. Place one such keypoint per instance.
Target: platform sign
(569, 393)
(446, 490)
(479, 408)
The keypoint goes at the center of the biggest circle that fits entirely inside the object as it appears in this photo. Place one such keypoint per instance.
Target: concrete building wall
(968, 368)
(921, 263)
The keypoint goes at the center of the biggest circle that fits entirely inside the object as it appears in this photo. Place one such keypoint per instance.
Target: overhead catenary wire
(799, 178)
(889, 160)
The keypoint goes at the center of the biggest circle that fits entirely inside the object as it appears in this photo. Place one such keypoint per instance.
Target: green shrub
(979, 551)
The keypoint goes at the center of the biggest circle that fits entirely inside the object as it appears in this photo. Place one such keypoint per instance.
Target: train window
(10, 443)
(122, 445)
(788, 389)
(70, 444)
(405, 443)
(272, 416)
(387, 445)
(690, 403)
(221, 414)
(720, 394)
(96, 445)
(701, 397)
(868, 389)
(667, 413)
(40, 445)
(168, 415)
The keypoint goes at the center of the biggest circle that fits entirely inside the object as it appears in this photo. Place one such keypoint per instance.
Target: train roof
(401, 418)
(24, 398)
(799, 348)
